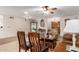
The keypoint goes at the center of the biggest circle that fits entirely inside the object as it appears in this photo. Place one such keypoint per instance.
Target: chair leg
(19, 49)
(54, 44)
(30, 49)
(25, 50)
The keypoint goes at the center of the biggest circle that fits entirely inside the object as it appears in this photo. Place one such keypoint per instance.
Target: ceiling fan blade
(46, 7)
(54, 8)
(52, 12)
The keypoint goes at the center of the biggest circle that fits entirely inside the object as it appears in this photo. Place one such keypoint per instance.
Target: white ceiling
(36, 12)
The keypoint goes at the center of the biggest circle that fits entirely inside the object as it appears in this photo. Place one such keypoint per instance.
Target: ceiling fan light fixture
(45, 8)
(49, 9)
(46, 12)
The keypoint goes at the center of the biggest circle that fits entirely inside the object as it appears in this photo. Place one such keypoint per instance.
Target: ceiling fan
(51, 10)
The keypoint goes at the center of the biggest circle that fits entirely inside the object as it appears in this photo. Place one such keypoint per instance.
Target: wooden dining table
(49, 41)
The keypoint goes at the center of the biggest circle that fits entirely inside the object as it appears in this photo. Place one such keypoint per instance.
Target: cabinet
(56, 25)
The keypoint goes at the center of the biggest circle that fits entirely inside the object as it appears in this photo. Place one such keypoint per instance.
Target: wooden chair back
(34, 41)
(21, 40)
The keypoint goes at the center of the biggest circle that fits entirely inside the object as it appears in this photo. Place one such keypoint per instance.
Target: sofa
(67, 39)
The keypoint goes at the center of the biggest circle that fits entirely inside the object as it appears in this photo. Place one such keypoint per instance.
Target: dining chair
(22, 41)
(34, 39)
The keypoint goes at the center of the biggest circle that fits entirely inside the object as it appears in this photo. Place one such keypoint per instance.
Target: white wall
(47, 22)
(61, 19)
(11, 26)
(62, 25)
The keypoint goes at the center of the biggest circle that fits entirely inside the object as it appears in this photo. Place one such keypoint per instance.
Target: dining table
(50, 42)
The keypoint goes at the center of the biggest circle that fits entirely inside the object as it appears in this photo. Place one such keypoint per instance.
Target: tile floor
(9, 45)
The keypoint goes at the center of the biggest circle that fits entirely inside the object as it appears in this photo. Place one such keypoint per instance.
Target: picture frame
(33, 26)
(42, 23)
